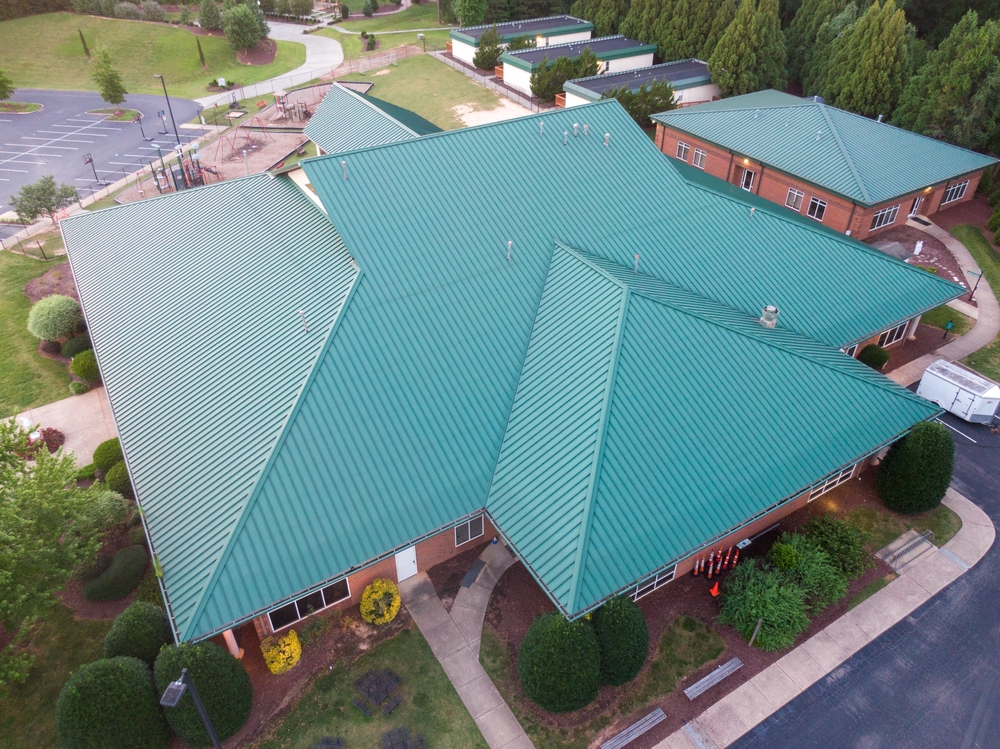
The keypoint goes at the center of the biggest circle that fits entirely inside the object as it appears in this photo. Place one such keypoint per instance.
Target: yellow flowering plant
(281, 653)
(380, 601)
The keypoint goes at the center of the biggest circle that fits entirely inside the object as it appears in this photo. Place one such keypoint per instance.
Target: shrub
(86, 473)
(281, 653)
(222, 684)
(53, 439)
(345, 12)
(751, 593)
(364, 34)
(108, 7)
(120, 578)
(559, 663)
(111, 704)
(996, 237)
(371, 43)
(784, 556)
(84, 366)
(137, 535)
(149, 590)
(209, 16)
(821, 580)
(371, 6)
(241, 27)
(94, 567)
(51, 347)
(128, 11)
(380, 601)
(488, 53)
(622, 639)
(151, 11)
(79, 388)
(54, 317)
(106, 509)
(916, 471)
(117, 480)
(986, 182)
(994, 196)
(993, 224)
(107, 454)
(74, 346)
(844, 543)
(139, 631)
(874, 356)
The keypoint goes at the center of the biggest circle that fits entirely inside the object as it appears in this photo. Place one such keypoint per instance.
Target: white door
(406, 563)
(915, 207)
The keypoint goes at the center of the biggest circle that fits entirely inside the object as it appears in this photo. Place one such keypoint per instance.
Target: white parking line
(62, 137)
(20, 171)
(28, 145)
(957, 432)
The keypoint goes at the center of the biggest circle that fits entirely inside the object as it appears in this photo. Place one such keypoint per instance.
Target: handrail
(925, 536)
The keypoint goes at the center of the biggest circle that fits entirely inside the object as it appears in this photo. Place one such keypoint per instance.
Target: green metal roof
(626, 449)
(346, 120)
(405, 117)
(863, 160)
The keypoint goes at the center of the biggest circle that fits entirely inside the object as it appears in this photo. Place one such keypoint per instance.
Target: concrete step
(911, 556)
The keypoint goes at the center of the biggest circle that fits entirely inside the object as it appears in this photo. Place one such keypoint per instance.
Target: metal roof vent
(541, 127)
(879, 118)
(817, 99)
(769, 317)
(819, 134)
(756, 114)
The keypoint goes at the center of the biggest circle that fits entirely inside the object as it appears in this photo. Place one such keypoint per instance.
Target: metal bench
(363, 707)
(635, 730)
(703, 685)
(363, 678)
(391, 705)
(330, 743)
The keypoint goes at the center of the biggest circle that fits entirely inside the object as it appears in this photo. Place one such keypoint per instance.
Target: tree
(724, 16)
(733, 64)
(209, 16)
(648, 100)
(241, 28)
(107, 79)
(818, 57)
(42, 197)
(6, 86)
(609, 16)
(771, 54)
(916, 472)
(521, 42)
(547, 79)
(488, 54)
(370, 8)
(470, 12)
(801, 33)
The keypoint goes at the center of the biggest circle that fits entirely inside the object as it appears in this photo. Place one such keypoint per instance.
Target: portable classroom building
(691, 81)
(464, 42)
(960, 391)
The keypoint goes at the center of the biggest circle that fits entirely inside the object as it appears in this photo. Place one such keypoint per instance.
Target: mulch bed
(263, 54)
(934, 253)
(58, 280)
(447, 577)
(517, 600)
(976, 212)
(929, 339)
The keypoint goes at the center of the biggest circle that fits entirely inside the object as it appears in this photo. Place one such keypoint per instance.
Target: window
(682, 150)
(884, 217)
(468, 530)
(649, 585)
(310, 603)
(817, 209)
(794, 199)
(892, 335)
(699, 158)
(747, 180)
(955, 192)
(833, 481)
(851, 350)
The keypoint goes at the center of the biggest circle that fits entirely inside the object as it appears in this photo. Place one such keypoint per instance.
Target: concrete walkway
(84, 419)
(743, 708)
(454, 639)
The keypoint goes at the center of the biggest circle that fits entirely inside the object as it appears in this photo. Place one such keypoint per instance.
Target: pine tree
(675, 43)
(107, 79)
(209, 16)
(702, 15)
(801, 32)
(630, 25)
(819, 55)
(771, 55)
(609, 16)
(725, 12)
(733, 64)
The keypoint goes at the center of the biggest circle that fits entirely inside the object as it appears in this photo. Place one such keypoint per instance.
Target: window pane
(336, 592)
(476, 527)
(310, 603)
(461, 534)
(284, 616)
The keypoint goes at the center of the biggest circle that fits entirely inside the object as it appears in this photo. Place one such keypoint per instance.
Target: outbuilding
(960, 391)
(690, 79)
(464, 42)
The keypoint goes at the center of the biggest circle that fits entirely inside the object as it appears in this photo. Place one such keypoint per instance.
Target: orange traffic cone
(718, 562)
(725, 564)
(695, 571)
(714, 590)
(735, 557)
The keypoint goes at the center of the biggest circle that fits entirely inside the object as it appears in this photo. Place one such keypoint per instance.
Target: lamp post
(169, 108)
(172, 697)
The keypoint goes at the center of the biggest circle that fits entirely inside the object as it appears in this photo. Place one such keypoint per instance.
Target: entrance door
(406, 563)
(915, 208)
(747, 181)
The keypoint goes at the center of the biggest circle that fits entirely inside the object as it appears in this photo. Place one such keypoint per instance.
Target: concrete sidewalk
(85, 420)
(743, 708)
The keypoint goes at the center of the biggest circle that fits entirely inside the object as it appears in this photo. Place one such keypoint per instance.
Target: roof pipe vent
(817, 99)
(344, 165)
(769, 317)
(576, 130)
(510, 243)
(585, 128)
(752, 211)
(879, 118)
(819, 134)
(302, 314)
(565, 137)
(756, 114)
(607, 139)
(541, 128)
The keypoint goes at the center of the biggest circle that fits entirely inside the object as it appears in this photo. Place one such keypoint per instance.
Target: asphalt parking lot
(56, 139)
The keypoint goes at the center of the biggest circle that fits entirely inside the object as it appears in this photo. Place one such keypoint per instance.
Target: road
(56, 139)
(933, 680)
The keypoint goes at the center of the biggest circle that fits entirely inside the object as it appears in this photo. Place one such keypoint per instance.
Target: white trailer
(960, 391)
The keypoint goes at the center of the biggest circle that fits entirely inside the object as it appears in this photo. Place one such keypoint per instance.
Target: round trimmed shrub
(120, 578)
(79, 388)
(118, 481)
(75, 345)
(222, 684)
(622, 639)
(107, 454)
(281, 653)
(111, 704)
(560, 663)
(380, 601)
(139, 631)
(874, 356)
(916, 471)
(84, 366)
(54, 317)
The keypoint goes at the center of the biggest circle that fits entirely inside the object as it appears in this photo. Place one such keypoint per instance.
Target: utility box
(960, 391)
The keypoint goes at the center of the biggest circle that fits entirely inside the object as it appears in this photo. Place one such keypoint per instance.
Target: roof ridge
(843, 152)
(382, 112)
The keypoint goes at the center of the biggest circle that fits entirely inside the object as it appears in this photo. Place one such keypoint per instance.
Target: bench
(363, 678)
(330, 743)
(703, 685)
(391, 705)
(363, 707)
(635, 730)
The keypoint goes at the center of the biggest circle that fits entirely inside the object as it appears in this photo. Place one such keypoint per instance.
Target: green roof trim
(346, 120)
(645, 76)
(865, 161)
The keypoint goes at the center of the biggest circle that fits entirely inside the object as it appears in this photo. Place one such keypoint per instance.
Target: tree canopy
(646, 101)
(42, 197)
(470, 12)
(242, 27)
(733, 64)
(548, 78)
(6, 86)
(107, 78)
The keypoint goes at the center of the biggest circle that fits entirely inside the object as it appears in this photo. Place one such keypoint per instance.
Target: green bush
(75, 345)
(784, 556)
(54, 317)
(622, 639)
(488, 53)
(916, 471)
(222, 683)
(79, 388)
(996, 237)
(92, 568)
(111, 704)
(844, 544)
(128, 11)
(120, 578)
(118, 481)
(820, 579)
(994, 197)
(149, 590)
(139, 631)
(137, 535)
(151, 11)
(993, 223)
(84, 366)
(106, 509)
(874, 356)
(89, 471)
(107, 454)
(986, 182)
(371, 42)
(559, 663)
(751, 593)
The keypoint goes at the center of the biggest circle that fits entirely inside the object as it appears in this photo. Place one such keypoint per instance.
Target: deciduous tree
(42, 197)
(241, 27)
(107, 78)
(470, 12)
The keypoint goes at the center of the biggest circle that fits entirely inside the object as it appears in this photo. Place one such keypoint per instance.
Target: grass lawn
(19, 107)
(354, 45)
(987, 359)
(943, 314)
(430, 704)
(61, 644)
(26, 379)
(44, 51)
(884, 527)
(423, 16)
(871, 589)
(216, 115)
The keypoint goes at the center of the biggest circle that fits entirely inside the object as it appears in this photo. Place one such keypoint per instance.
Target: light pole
(172, 697)
(169, 108)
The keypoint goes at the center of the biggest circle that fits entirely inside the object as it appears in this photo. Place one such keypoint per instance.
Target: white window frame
(884, 217)
(650, 584)
(698, 159)
(892, 335)
(683, 149)
(794, 196)
(743, 180)
(915, 206)
(817, 206)
(832, 482)
(468, 526)
(955, 192)
(325, 606)
(851, 350)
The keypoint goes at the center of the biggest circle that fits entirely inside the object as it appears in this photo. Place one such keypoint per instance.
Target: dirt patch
(505, 110)
(929, 339)
(263, 54)
(199, 31)
(447, 576)
(58, 280)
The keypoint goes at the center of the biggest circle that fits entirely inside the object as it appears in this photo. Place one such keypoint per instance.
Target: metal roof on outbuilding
(346, 120)
(680, 74)
(550, 26)
(604, 48)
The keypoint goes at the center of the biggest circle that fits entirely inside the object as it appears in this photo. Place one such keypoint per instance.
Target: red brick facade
(840, 213)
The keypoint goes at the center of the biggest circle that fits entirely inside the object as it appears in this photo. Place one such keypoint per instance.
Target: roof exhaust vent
(607, 139)
(510, 243)
(879, 118)
(817, 99)
(576, 130)
(769, 317)
(344, 165)
(752, 212)
(819, 134)
(565, 137)
(756, 114)
(585, 129)
(541, 128)
(302, 314)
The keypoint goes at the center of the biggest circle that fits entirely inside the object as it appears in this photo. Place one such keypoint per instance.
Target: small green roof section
(346, 120)
(625, 450)
(547, 27)
(865, 161)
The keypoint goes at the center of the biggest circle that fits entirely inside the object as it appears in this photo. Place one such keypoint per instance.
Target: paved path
(455, 638)
(84, 419)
